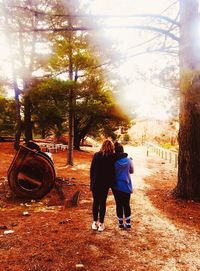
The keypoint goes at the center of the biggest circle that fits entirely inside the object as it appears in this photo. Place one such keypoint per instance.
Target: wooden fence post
(163, 153)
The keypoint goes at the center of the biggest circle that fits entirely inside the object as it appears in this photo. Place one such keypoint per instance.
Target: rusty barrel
(31, 174)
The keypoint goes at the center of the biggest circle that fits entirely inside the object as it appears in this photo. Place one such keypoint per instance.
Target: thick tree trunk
(188, 186)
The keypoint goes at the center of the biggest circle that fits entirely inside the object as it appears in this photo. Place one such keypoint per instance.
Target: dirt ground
(57, 236)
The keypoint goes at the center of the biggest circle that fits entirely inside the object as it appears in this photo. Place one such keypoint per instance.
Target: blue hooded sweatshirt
(123, 169)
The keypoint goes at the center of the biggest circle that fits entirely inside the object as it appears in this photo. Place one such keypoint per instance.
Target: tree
(71, 51)
(7, 117)
(188, 186)
(73, 57)
(18, 16)
(97, 112)
(6, 22)
(49, 98)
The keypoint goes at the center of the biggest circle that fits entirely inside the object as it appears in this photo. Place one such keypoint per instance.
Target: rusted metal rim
(31, 174)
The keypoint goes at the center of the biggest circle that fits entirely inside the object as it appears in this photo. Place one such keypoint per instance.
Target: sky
(152, 101)
(4, 55)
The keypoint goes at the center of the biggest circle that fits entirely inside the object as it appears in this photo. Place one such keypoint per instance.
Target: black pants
(99, 204)
(122, 200)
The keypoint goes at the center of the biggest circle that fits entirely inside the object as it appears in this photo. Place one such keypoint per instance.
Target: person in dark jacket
(122, 188)
(102, 177)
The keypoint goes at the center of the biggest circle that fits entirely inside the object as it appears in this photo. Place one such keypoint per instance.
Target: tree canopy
(42, 105)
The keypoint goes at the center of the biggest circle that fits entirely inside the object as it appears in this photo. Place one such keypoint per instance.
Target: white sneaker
(95, 226)
(101, 227)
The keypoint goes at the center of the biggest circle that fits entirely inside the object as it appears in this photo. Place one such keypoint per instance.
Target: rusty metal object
(31, 174)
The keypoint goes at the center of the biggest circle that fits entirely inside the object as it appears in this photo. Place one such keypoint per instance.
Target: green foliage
(71, 54)
(95, 109)
(7, 116)
(49, 105)
(72, 47)
(168, 145)
(126, 138)
(97, 112)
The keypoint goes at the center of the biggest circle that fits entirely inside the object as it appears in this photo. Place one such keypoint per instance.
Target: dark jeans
(122, 200)
(99, 204)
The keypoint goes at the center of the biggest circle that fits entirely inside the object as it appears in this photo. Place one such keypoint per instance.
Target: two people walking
(111, 168)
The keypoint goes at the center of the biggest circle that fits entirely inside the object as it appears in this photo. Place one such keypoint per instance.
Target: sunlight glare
(5, 64)
(136, 91)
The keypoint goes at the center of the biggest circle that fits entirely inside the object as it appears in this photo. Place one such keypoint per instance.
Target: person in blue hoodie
(122, 188)
(102, 178)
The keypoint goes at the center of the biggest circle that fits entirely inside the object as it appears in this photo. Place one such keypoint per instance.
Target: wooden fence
(52, 147)
(170, 156)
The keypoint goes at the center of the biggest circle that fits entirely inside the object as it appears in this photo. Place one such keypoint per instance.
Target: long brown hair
(107, 147)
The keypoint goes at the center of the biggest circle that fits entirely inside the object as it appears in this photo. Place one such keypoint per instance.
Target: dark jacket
(102, 170)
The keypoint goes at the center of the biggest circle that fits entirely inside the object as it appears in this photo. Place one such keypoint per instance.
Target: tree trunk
(18, 129)
(77, 138)
(70, 156)
(70, 160)
(18, 125)
(27, 77)
(43, 133)
(188, 186)
(27, 101)
(77, 142)
(71, 110)
(80, 133)
(27, 119)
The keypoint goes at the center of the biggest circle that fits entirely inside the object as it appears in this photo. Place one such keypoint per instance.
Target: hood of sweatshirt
(122, 163)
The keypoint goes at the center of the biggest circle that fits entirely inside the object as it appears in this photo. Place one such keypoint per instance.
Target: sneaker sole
(101, 230)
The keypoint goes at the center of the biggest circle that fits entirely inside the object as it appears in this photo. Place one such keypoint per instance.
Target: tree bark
(18, 126)
(80, 133)
(188, 186)
(70, 159)
(43, 133)
(18, 129)
(27, 75)
(27, 103)
(27, 119)
(77, 142)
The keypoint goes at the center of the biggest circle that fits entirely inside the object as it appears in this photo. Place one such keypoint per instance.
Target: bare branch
(107, 16)
(173, 3)
(90, 28)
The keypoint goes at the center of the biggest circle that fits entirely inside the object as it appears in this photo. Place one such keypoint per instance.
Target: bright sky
(148, 97)
(151, 99)
(4, 57)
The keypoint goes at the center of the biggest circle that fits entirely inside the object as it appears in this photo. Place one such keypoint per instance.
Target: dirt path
(57, 237)
(154, 242)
